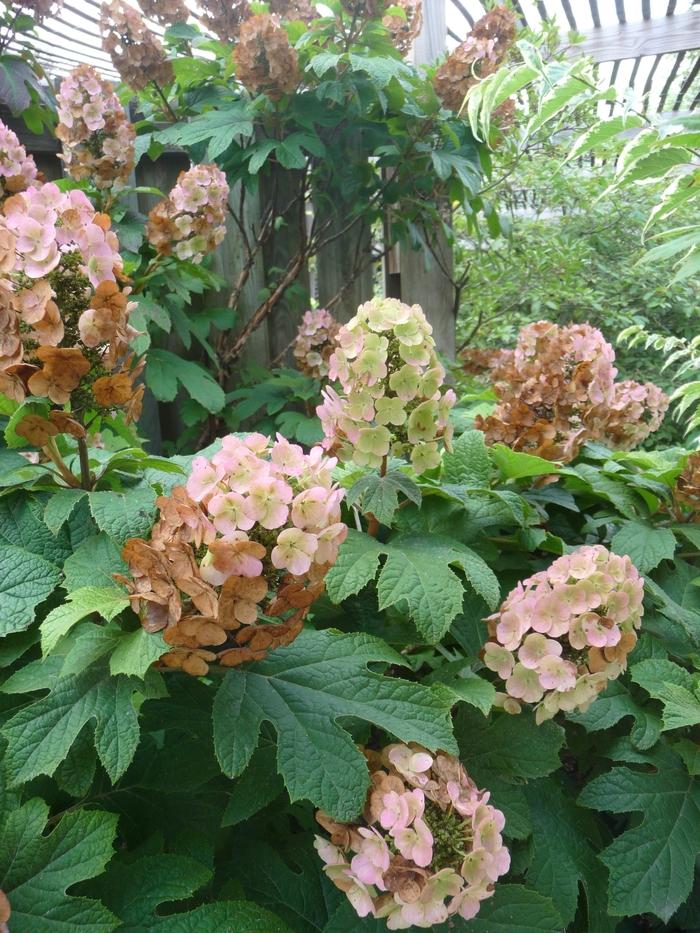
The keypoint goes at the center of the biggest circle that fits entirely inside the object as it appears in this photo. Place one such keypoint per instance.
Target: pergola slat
(678, 33)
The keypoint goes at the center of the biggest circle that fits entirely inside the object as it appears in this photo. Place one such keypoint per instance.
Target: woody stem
(85, 477)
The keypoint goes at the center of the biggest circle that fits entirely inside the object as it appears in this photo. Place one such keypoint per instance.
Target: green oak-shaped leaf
(105, 601)
(565, 843)
(651, 864)
(674, 687)
(135, 892)
(41, 734)
(380, 494)
(514, 909)
(25, 581)
(417, 572)
(36, 869)
(645, 546)
(468, 463)
(302, 690)
(124, 515)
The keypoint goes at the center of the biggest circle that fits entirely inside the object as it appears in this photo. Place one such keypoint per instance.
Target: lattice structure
(648, 46)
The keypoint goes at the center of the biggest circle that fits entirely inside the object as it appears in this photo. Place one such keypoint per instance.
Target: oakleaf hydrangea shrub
(562, 634)
(557, 390)
(238, 553)
(391, 399)
(65, 317)
(191, 221)
(428, 845)
(315, 342)
(97, 137)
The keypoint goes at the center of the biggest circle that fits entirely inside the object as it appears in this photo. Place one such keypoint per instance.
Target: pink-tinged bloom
(233, 556)
(429, 909)
(498, 659)
(288, 458)
(535, 648)
(310, 507)
(415, 842)
(411, 764)
(524, 684)
(294, 550)
(268, 502)
(204, 479)
(557, 674)
(329, 540)
(372, 859)
(228, 514)
(400, 810)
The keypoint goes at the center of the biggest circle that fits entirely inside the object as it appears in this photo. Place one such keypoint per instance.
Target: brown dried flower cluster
(687, 489)
(481, 53)
(224, 18)
(136, 53)
(482, 361)
(363, 9)
(265, 60)
(404, 29)
(291, 10)
(557, 390)
(40, 9)
(238, 554)
(165, 12)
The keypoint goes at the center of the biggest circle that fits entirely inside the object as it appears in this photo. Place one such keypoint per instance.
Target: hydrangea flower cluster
(428, 847)
(64, 331)
(97, 137)
(557, 390)
(136, 53)
(165, 12)
(224, 17)
(391, 379)
(563, 633)
(191, 221)
(264, 58)
(481, 53)
(17, 169)
(634, 412)
(404, 29)
(687, 489)
(315, 341)
(247, 540)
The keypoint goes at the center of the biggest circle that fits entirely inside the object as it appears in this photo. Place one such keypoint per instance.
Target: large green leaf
(379, 495)
(136, 890)
(645, 546)
(516, 908)
(93, 563)
(25, 581)
(106, 601)
(652, 862)
(41, 734)
(165, 370)
(22, 525)
(468, 464)
(124, 515)
(565, 845)
(417, 574)
(36, 870)
(302, 690)
(674, 687)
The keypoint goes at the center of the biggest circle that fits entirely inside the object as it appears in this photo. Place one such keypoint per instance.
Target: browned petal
(66, 424)
(5, 910)
(36, 430)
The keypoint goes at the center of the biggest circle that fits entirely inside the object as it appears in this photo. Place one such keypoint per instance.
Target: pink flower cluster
(315, 341)
(391, 379)
(17, 169)
(97, 137)
(191, 221)
(563, 633)
(275, 495)
(429, 845)
(46, 223)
